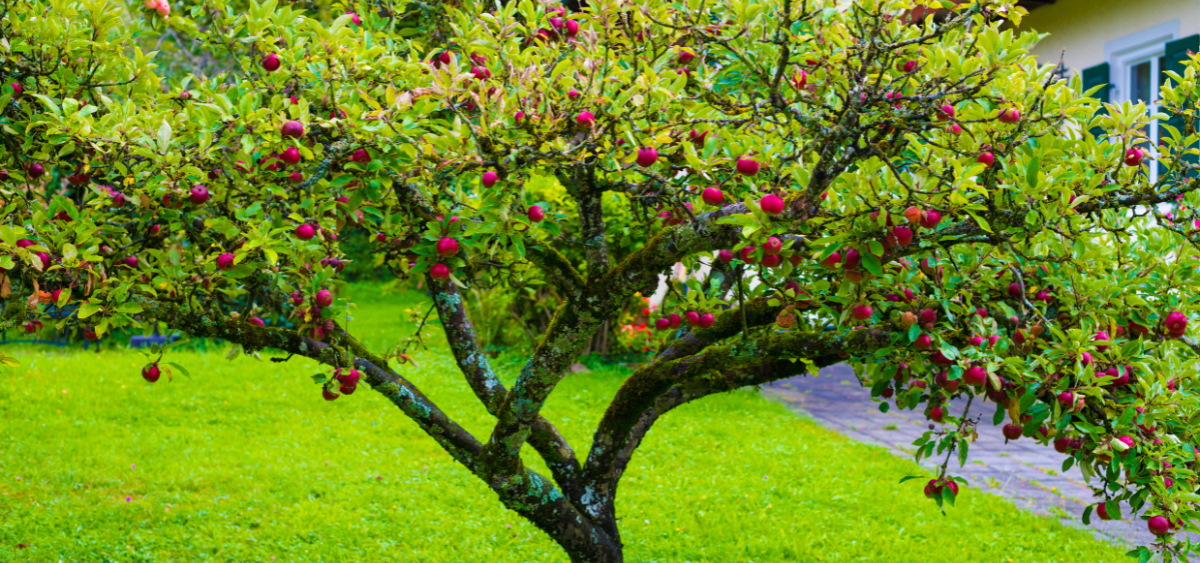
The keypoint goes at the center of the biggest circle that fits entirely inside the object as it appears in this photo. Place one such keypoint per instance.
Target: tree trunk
(586, 548)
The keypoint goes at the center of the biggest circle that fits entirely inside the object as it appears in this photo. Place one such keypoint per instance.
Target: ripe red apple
(772, 246)
(305, 232)
(853, 260)
(712, 196)
(481, 73)
(676, 320)
(832, 260)
(35, 171)
(927, 316)
(647, 156)
(198, 195)
(1138, 330)
(747, 166)
(685, 56)
(1014, 290)
(986, 158)
(17, 89)
(901, 236)
(440, 272)
(772, 261)
(914, 215)
(151, 373)
(1101, 336)
(923, 342)
(936, 414)
(691, 318)
(771, 204)
(256, 322)
(1133, 156)
(954, 129)
(292, 129)
(1066, 399)
(323, 298)
(747, 255)
(975, 376)
(1010, 115)
(290, 156)
(328, 394)
(1159, 525)
(536, 214)
(585, 119)
(725, 255)
(1011, 431)
(225, 261)
(1176, 324)
(662, 323)
(945, 112)
(489, 179)
(270, 63)
(706, 320)
(861, 312)
(931, 219)
(296, 178)
(447, 247)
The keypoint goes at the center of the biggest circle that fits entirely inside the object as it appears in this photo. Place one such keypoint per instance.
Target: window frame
(1124, 53)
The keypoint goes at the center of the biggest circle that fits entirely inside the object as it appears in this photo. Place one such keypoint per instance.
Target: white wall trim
(1143, 44)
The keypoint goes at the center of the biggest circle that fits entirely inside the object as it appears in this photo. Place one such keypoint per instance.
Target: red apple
(151, 373)
(198, 195)
(447, 247)
(489, 179)
(225, 261)
(773, 246)
(647, 156)
(975, 376)
(1011, 431)
(1133, 156)
(986, 158)
(1010, 115)
(747, 166)
(440, 272)
(771, 204)
(305, 232)
(585, 119)
(293, 129)
(536, 214)
(712, 196)
(1159, 525)
(270, 63)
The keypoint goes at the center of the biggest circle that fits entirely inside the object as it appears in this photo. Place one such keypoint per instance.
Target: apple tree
(895, 184)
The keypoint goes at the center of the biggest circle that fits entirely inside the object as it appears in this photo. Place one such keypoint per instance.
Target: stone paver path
(1023, 471)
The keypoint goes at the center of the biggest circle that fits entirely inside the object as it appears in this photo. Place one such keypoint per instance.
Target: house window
(1137, 63)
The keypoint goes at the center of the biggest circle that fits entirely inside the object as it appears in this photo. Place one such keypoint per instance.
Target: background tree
(916, 197)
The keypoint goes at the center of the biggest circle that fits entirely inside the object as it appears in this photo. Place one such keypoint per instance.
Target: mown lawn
(244, 461)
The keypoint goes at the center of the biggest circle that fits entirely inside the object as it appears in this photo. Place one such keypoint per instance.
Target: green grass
(245, 462)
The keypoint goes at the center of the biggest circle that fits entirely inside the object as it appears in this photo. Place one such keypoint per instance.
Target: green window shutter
(1175, 55)
(1094, 76)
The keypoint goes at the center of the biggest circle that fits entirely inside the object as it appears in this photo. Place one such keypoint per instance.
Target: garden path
(1027, 473)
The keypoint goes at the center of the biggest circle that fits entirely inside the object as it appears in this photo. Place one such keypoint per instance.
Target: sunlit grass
(244, 461)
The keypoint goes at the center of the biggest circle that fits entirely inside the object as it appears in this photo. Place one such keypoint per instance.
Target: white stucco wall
(1082, 27)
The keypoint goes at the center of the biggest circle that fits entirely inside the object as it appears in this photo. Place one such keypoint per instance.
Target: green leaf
(181, 369)
(88, 309)
(130, 308)
(872, 264)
